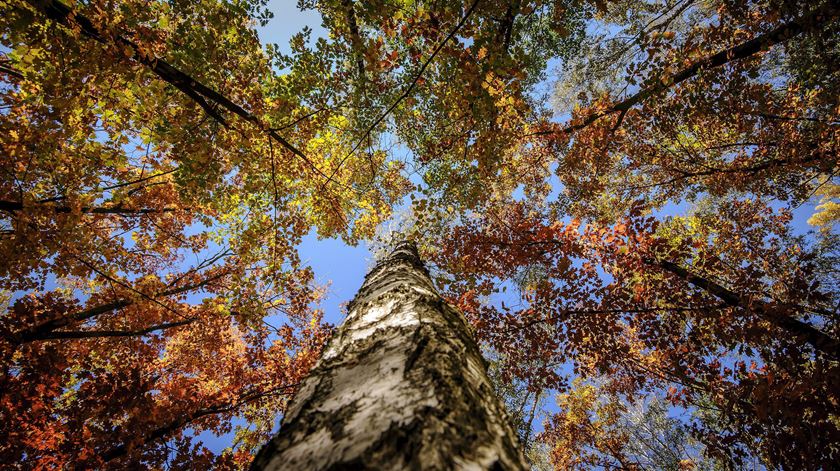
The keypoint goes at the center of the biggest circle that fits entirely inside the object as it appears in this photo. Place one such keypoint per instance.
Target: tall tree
(401, 385)
(646, 215)
(150, 206)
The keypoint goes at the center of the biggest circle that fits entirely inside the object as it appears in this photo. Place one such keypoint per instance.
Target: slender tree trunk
(402, 385)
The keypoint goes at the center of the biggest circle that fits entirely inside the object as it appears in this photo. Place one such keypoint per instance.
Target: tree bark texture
(402, 385)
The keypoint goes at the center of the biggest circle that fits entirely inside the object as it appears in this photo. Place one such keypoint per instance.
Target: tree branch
(42, 331)
(180, 422)
(405, 92)
(10, 71)
(355, 37)
(116, 185)
(803, 331)
(12, 206)
(205, 96)
(781, 34)
(89, 334)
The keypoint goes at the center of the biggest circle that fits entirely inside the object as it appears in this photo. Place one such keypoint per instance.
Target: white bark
(402, 385)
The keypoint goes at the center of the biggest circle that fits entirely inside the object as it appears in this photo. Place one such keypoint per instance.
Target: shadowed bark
(402, 385)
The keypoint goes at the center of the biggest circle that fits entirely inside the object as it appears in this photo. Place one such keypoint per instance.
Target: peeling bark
(402, 385)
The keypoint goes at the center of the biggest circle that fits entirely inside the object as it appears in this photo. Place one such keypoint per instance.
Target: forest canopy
(634, 203)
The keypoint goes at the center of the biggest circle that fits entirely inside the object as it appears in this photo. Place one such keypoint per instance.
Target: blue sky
(333, 261)
(289, 20)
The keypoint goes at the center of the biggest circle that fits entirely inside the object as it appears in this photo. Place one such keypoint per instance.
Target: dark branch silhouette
(13, 206)
(90, 334)
(803, 331)
(44, 330)
(780, 34)
(182, 421)
(210, 100)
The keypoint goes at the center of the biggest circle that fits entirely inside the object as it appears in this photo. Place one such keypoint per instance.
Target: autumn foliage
(613, 192)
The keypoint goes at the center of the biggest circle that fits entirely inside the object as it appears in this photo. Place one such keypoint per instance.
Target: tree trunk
(402, 385)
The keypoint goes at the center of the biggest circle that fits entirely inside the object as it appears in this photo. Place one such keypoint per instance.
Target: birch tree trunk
(402, 385)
